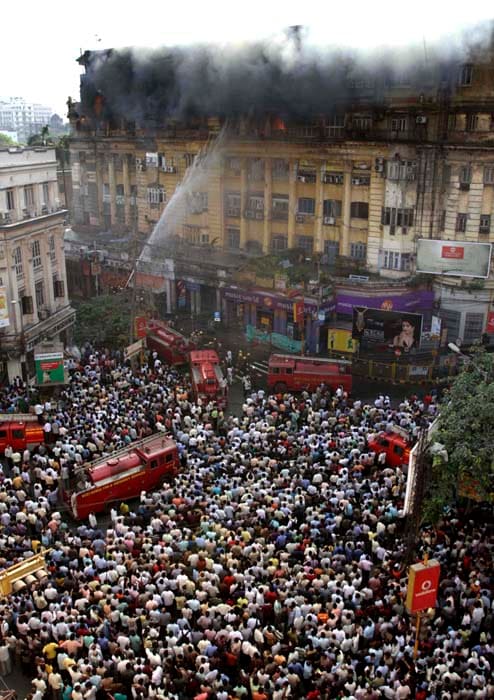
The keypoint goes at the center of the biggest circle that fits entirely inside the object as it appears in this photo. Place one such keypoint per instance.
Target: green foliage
(6, 141)
(466, 429)
(104, 320)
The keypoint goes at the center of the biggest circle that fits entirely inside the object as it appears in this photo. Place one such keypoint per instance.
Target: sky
(40, 43)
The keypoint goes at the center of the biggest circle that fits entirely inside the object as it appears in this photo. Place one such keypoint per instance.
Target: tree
(466, 429)
(6, 141)
(104, 320)
(41, 139)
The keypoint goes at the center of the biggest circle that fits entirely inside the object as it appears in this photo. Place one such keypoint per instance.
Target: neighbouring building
(34, 305)
(24, 117)
(359, 187)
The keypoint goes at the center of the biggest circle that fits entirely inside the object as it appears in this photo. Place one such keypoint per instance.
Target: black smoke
(287, 78)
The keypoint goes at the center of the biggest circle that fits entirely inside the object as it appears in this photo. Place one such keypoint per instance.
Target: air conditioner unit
(170, 169)
(329, 220)
(379, 166)
(249, 214)
(300, 218)
(301, 178)
(421, 120)
(356, 181)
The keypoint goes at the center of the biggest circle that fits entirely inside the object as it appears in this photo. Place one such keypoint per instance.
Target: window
(485, 223)
(82, 156)
(28, 196)
(332, 207)
(46, 193)
(401, 170)
(465, 174)
(359, 210)
(306, 205)
(390, 216)
(306, 243)
(156, 195)
(399, 124)
(106, 192)
(466, 74)
(189, 159)
(256, 169)
(233, 238)
(10, 199)
(27, 304)
(18, 262)
(451, 321)
(52, 249)
(358, 251)
(279, 243)
(154, 463)
(461, 223)
(331, 178)
(36, 254)
(334, 126)
(152, 160)
(198, 202)
(331, 250)
(489, 175)
(232, 203)
(280, 169)
(442, 221)
(472, 122)
(446, 174)
(451, 122)
(256, 202)
(39, 294)
(280, 206)
(253, 247)
(58, 288)
(393, 260)
(474, 324)
(362, 123)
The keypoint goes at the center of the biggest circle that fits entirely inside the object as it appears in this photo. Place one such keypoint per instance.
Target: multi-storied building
(34, 305)
(23, 117)
(362, 185)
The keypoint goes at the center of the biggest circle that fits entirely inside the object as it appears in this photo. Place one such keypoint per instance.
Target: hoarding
(396, 329)
(416, 301)
(423, 582)
(340, 340)
(4, 308)
(460, 258)
(49, 368)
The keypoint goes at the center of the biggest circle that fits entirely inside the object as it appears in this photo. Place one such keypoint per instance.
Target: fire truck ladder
(23, 574)
(139, 444)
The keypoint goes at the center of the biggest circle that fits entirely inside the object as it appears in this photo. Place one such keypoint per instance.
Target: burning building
(350, 159)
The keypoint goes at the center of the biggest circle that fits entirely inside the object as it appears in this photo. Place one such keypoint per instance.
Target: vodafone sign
(453, 252)
(423, 581)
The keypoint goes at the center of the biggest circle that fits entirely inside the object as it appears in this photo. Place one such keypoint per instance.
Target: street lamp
(469, 360)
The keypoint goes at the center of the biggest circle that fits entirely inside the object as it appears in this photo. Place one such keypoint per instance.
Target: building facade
(33, 287)
(25, 118)
(363, 185)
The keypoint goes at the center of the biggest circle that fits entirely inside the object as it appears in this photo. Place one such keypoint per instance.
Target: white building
(34, 305)
(27, 118)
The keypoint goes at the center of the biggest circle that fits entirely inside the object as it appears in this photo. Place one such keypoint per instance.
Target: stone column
(292, 202)
(347, 201)
(126, 185)
(244, 191)
(113, 189)
(318, 229)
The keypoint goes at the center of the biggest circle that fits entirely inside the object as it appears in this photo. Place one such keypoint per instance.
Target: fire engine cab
(208, 382)
(20, 430)
(297, 373)
(141, 466)
(172, 347)
(394, 444)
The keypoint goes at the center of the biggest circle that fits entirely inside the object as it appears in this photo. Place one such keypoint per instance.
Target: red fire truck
(208, 382)
(297, 373)
(141, 466)
(395, 444)
(172, 347)
(20, 430)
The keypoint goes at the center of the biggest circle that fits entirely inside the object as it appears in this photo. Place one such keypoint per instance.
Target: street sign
(217, 317)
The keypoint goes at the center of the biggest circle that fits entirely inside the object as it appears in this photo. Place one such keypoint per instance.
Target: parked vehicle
(208, 382)
(20, 430)
(298, 373)
(142, 466)
(172, 347)
(395, 444)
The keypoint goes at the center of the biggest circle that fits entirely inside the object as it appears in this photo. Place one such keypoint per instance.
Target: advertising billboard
(4, 308)
(423, 582)
(396, 329)
(340, 340)
(459, 258)
(49, 368)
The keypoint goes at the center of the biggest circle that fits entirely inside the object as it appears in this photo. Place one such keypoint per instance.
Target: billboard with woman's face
(394, 329)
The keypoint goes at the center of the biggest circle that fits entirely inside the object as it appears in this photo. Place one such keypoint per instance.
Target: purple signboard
(412, 301)
(267, 300)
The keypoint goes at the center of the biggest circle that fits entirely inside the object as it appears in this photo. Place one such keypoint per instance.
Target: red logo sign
(141, 326)
(453, 252)
(387, 305)
(423, 581)
(490, 323)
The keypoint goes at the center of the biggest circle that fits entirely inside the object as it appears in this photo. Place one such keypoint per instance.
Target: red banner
(141, 326)
(453, 252)
(490, 323)
(423, 581)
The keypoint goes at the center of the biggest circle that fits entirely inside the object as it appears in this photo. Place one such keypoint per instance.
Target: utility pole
(420, 477)
(133, 278)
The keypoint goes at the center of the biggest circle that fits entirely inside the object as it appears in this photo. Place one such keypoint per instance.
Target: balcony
(279, 215)
(11, 218)
(254, 214)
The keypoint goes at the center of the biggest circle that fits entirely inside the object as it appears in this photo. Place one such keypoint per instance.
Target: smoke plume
(287, 78)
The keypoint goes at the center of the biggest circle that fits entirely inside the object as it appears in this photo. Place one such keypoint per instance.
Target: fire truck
(297, 373)
(395, 444)
(142, 466)
(208, 382)
(20, 430)
(172, 347)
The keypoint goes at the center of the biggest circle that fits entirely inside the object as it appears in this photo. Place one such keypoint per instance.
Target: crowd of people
(272, 567)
